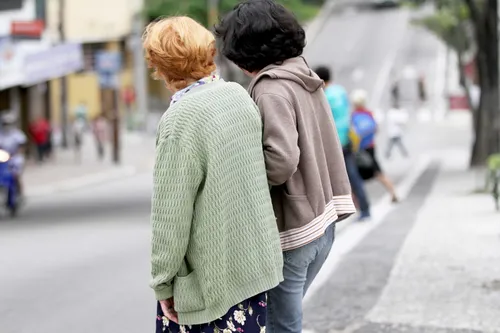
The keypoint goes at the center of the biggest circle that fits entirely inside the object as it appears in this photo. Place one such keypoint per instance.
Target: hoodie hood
(294, 69)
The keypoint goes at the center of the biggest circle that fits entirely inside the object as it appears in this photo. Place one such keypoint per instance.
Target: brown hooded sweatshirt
(304, 161)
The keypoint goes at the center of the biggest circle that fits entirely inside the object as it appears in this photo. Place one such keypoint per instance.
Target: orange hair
(180, 50)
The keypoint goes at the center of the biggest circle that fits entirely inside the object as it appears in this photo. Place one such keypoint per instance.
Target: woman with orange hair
(215, 244)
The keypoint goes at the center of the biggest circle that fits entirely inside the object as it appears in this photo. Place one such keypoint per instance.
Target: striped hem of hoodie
(295, 238)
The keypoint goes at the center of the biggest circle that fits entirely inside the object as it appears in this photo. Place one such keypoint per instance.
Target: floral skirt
(249, 316)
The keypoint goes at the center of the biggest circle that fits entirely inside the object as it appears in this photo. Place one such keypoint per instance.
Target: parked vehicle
(385, 3)
(9, 196)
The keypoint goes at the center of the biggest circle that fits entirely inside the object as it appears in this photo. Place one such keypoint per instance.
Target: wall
(83, 87)
(88, 21)
(26, 13)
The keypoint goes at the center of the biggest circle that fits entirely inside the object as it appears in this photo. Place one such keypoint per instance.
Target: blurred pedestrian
(340, 105)
(128, 97)
(422, 92)
(40, 133)
(100, 130)
(395, 94)
(78, 129)
(215, 246)
(396, 120)
(366, 128)
(81, 111)
(305, 166)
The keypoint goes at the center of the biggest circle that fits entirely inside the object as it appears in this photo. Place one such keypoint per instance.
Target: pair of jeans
(357, 183)
(284, 306)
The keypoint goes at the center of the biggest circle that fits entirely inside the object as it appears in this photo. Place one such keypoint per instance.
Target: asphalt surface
(78, 261)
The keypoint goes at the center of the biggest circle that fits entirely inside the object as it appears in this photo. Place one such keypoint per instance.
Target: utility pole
(213, 12)
(140, 71)
(64, 94)
(497, 108)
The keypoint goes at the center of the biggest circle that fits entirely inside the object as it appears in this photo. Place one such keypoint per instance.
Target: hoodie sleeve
(280, 138)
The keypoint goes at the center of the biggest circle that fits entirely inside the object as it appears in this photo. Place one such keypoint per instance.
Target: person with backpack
(338, 99)
(364, 129)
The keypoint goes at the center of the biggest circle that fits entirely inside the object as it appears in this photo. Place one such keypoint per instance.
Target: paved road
(78, 261)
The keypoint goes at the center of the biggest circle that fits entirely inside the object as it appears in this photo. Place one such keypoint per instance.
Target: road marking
(424, 115)
(357, 75)
(349, 11)
(409, 72)
(440, 85)
(350, 234)
(84, 181)
(379, 115)
(314, 28)
(384, 74)
(383, 78)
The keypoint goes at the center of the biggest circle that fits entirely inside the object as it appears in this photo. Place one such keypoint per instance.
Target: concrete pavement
(66, 171)
(428, 267)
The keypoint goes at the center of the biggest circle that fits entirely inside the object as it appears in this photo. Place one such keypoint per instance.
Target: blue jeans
(284, 307)
(356, 182)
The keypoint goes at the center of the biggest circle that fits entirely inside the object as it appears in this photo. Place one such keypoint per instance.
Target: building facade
(30, 60)
(98, 26)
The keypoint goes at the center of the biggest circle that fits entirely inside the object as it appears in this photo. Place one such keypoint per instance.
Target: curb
(84, 181)
(317, 24)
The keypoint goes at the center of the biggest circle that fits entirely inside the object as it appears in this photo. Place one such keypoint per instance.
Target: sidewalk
(66, 172)
(446, 276)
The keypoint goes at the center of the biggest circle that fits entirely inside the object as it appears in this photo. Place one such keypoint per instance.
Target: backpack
(363, 129)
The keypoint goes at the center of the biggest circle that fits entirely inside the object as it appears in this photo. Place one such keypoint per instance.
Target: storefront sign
(11, 65)
(53, 63)
(27, 29)
(108, 65)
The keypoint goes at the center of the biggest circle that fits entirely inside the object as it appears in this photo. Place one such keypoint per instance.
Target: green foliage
(493, 162)
(449, 23)
(197, 9)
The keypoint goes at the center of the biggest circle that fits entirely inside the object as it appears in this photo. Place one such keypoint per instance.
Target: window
(89, 51)
(11, 4)
(40, 9)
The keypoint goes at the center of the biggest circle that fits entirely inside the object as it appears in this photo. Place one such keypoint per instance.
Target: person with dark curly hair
(305, 166)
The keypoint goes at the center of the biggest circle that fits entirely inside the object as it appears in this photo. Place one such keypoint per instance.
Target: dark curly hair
(324, 73)
(258, 33)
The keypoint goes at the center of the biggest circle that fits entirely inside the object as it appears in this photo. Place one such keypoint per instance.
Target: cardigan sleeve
(177, 176)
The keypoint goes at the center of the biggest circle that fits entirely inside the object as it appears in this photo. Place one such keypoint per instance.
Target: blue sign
(108, 62)
(52, 63)
(108, 80)
(108, 65)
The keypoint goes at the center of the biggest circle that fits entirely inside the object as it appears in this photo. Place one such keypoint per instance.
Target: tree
(472, 25)
(200, 11)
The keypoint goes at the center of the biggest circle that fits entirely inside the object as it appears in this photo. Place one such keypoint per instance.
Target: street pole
(497, 125)
(213, 12)
(63, 81)
(116, 125)
(140, 71)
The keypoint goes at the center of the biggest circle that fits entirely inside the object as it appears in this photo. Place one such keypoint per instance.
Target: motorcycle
(9, 196)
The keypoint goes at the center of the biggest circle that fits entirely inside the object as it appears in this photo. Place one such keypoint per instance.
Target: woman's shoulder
(206, 109)
(219, 88)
